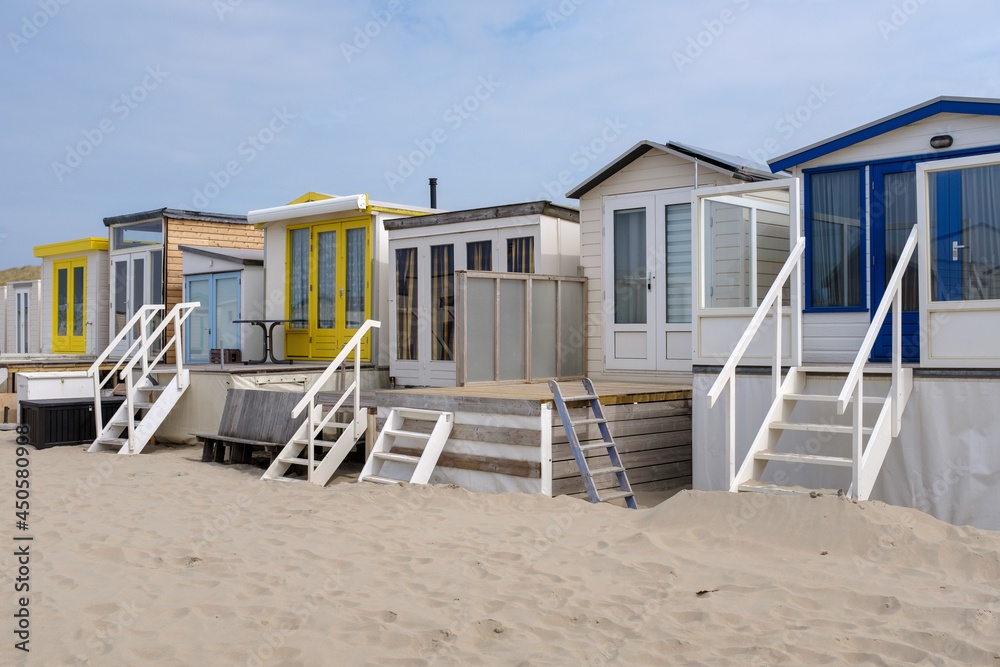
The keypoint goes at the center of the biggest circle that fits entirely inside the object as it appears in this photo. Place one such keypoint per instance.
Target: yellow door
(329, 287)
(69, 308)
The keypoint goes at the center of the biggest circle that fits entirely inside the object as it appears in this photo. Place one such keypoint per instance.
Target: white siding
(833, 338)
(652, 172)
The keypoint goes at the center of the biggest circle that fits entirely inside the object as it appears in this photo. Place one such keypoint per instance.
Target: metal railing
(308, 400)
(727, 377)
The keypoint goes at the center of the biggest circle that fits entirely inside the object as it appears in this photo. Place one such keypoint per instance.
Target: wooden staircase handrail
(891, 297)
(353, 345)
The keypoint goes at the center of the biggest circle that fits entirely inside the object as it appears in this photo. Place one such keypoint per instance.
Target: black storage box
(53, 422)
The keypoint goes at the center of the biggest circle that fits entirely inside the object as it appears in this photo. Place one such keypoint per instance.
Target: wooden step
(115, 442)
(600, 445)
(821, 428)
(604, 471)
(397, 458)
(123, 422)
(612, 495)
(826, 398)
(141, 405)
(316, 442)
(297, 461)
(378, 479)
(836, 369)
(155, 387)
(791, 457)
(755, 486)
(399, 433)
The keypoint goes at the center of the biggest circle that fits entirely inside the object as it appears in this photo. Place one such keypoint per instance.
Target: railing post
(776, 369)
(98, 413)
(731, 431)
(179, 350)
(143, 338)
(897, 360)
(357, 382)
(312, 426)
(857, 437)
(130, 403)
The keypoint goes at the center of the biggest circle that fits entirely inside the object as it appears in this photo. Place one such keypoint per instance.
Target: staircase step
(592, 420)
(791, 457)
(756, 486)
(397, 458)
(844, 370)
(604, 471)
(297, 461)
(822, 428)
(141, 405)
(599, 445)
(612, 495)
(154, 387)
(826, 398)
(378, 479)
(587, 397)
(316, 442)
(399, 433)
(116, 442)
(123, 422)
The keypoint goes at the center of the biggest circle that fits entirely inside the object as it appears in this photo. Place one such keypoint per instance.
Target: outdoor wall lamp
(942, 141)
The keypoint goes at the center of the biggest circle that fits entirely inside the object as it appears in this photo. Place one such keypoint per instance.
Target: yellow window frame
(69, 343)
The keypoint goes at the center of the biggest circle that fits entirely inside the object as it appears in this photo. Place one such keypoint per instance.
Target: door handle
(954, 250)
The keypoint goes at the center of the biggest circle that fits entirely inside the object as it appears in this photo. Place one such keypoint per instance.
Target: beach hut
(327, 271)
(874, 273)
(426, 253)
(147, 263)
(21, 317)
(229, 284)
(635, 224)
(74, 296)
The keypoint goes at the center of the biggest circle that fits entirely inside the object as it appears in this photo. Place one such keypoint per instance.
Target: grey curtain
(355, 287)
(835, 239)
(298, 301)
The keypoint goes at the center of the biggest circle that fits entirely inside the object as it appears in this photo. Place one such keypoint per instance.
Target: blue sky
(227, 106)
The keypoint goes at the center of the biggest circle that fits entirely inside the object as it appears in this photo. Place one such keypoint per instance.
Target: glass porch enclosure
(959, 217)
(744, 235)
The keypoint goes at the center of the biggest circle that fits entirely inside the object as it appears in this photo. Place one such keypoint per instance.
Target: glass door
(136, 280)
(198, 328)
(69, 318)
(894, 213)
(211, 326)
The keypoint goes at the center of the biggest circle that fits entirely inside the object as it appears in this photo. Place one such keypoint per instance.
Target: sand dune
(161, 559)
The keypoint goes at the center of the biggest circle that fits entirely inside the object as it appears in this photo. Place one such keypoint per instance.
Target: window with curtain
(678, 263)
(630, 266)
(965, 245)
(479, 256)
(835, 239)
(900, 206)
(442, 302)
(521, 255)
(326, 290)
(78, 285)
(298, 285)
(62, 305)
(406, 304)
(354, 294)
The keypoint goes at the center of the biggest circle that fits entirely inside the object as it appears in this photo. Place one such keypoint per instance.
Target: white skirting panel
(945, 462)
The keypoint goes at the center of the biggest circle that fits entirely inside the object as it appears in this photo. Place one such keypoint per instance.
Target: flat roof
(176, 213)
(244, 256)
(542, 207)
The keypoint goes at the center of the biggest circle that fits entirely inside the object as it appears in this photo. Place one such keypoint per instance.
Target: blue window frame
(836, 242)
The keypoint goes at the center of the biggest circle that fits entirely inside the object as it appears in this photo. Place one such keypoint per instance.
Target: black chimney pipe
(434, 192)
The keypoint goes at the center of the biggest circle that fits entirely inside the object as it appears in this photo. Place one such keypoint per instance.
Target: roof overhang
(697, 156)
(176, 213)
(79, 246)
(310, 211)
(961, 105)
(243, 256)
(542, 207)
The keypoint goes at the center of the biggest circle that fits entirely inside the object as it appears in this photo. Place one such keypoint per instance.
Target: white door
(647, 283)
(136, 280)
(21, 321)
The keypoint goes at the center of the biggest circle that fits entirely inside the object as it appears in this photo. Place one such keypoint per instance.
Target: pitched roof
(731, 165)
(963, 105)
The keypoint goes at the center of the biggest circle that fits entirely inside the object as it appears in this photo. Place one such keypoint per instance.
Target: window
(479, 256)
(298, 287)
(678, 263)
(834, 226)
(138, 235)
(630, 266)
(521, 255)
(442, 302)
(406, 304)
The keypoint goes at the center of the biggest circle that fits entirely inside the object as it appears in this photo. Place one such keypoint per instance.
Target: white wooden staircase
(308, 452)
(858, 440)
(393, 436)
(150, 392)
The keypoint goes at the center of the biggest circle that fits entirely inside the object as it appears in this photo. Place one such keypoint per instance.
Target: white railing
(177, 316)
(316, 425)
(727, 378)
(853, 386)
(142, 318)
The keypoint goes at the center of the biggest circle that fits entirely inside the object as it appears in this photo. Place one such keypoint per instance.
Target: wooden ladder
(580, 452)
(393, 436)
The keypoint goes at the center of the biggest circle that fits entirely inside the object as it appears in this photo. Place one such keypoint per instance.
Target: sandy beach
(161, 559)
